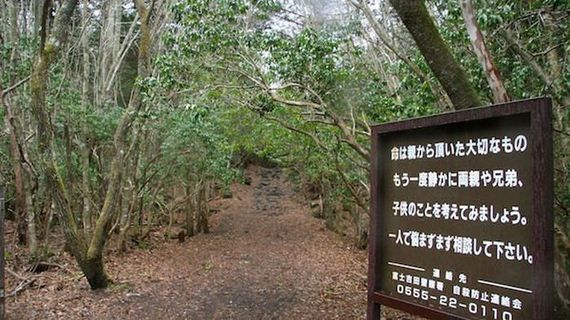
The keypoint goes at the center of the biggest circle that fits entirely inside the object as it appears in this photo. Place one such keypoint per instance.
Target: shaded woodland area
(123, 117)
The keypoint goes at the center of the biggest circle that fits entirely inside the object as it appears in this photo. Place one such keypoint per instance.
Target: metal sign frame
(540, 112)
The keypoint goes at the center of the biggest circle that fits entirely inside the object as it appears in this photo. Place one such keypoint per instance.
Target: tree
(483, 55)
(50, 45)
(86, 248)
(136, 127)
(452, 77)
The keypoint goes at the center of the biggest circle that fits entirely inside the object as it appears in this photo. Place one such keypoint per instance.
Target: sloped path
(265, 258)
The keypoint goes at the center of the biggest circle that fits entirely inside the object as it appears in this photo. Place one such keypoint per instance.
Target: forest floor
(266, 257)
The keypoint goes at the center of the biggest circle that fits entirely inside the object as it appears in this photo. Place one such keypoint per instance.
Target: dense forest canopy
(120, 112)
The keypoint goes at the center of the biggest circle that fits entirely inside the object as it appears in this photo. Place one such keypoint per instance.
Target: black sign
(462, 214)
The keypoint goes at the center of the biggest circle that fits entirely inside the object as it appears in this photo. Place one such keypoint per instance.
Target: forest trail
(265, 258)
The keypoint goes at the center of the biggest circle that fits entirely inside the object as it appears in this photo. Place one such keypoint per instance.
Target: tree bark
(36, 9)
(14, 123)
(94, 271)
(452, 77)
(189, 211)
(199, 206)
(14, 7)
(86, 102)
(49, 47)
(99, 237)
(20, 199)
(483, 54)
(202, 207)
(17, 152)
(110, 41)
(206, 211)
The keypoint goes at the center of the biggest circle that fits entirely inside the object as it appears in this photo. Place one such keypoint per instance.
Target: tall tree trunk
(97, 243)
(109, 45)
(202, 207)
(50, 45)
(125, 219)
(483, 55)
(86, 102)
(3, 27)
(189, 211)
(20, 201)
(13, 8)
(452, 77)
(18, 156)
(435, 88)
(199, 206)
(14, 123)
(36, 9)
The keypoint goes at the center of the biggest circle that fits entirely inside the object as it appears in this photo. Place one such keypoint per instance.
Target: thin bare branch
(15, 86)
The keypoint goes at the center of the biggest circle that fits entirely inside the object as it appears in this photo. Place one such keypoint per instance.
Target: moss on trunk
(94, 271)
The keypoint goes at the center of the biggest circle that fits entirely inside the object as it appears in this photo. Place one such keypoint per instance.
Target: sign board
(462, 214)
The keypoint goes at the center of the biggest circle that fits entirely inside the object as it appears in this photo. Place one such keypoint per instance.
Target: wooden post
(2, 291)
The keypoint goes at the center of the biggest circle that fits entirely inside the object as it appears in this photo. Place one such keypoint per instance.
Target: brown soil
(265, 258)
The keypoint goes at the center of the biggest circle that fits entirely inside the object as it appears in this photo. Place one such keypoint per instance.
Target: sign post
(2, 288)
(462, 224)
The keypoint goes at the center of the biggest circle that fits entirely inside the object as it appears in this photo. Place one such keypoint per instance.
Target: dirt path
(265, 258)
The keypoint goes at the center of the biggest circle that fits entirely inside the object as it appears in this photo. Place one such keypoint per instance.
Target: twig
(13, 273)
(561, 132)
(546, 51)
(21, 287)
(15, 86)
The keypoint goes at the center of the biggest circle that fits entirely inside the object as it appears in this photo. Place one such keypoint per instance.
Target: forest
(124, 117)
